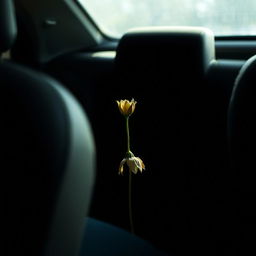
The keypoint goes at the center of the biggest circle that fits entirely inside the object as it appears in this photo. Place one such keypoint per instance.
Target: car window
(224, 17)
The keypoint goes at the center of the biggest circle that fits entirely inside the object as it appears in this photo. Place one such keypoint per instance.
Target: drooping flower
(134, 164)
(126, 107)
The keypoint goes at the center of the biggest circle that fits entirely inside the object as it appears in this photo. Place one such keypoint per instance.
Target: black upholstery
(47, 159)
(8, 29)
(102, 238)
(242, 141)
(242, 122)
(48, 168)
(98, 87)
(49, 162)
(165, 69)
(189, 49)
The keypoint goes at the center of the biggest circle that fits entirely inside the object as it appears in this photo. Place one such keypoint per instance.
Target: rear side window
(224, 17)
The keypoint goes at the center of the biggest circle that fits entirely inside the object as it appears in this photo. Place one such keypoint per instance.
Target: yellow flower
(126, 107)
(134, 164)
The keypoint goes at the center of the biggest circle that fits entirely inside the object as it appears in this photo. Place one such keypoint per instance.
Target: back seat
(182, 200)
(165, 70)
(242, 141)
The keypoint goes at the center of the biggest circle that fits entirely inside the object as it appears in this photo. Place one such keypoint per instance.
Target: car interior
(63, 136)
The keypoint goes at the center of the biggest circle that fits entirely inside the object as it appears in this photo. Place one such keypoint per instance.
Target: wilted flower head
(134, 164)
(126, 107)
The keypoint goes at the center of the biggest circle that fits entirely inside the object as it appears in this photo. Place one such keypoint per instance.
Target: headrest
(8, 28)
(242, 116)
(151, 48)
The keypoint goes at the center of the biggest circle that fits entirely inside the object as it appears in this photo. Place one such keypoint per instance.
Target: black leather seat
(48, 166)
(165, 69)
(242, 141)
(47, 160)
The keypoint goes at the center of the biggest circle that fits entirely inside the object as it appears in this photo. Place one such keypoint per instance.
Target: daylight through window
(224, 17)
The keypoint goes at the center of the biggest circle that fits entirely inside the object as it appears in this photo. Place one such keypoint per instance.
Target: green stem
(130, 202)
(130, 175)
(128, 134)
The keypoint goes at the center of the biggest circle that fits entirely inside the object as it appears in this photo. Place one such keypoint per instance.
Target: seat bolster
(77, 183)
(241, 116)
(8, 27)
(242, 141)
(48, 161)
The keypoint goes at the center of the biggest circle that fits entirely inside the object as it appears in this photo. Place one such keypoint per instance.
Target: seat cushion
(101, 238)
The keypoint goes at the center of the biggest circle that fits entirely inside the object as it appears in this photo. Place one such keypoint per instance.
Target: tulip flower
(126, 107)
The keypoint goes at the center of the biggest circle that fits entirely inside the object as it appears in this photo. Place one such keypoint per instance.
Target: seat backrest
(242, 141)
(48, 157)
(164, 69)
(242, 119)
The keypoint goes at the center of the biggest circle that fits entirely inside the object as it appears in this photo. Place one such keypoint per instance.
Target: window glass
(224, 17)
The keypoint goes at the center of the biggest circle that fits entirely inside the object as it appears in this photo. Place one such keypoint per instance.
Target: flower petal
(121, 166)
(140, 163)
(130, 110)
(126, 107)
(132, 165)
(135, 170)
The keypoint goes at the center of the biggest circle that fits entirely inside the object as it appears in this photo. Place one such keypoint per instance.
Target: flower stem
(128, 134)
(130, 202)
(130, 175)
